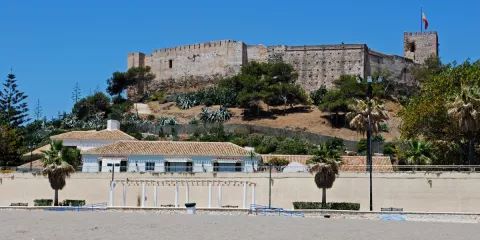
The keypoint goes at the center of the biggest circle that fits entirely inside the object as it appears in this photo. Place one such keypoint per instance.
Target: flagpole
(421, 19)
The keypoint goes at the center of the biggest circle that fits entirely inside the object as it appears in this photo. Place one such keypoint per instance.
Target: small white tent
(295, 167)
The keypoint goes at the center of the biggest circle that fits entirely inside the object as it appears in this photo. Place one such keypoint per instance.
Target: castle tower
(136, 59)
(419, 46)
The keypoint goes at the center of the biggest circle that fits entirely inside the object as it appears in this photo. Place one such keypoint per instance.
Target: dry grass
(302, 118)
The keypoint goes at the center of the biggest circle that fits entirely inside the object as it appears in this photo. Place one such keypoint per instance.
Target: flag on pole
(425, 20)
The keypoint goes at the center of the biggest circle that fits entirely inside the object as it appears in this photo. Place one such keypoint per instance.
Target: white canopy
(295, 167)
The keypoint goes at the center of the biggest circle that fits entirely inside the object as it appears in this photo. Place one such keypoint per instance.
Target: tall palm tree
(362, 111)
(56, 167)
(465, 110)
(325, 175)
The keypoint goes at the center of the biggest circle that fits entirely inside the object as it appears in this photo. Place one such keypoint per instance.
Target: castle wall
(257, 53)
(192, 66)
(198, 65)
(398, 68)
(420, 46)
(321, 65)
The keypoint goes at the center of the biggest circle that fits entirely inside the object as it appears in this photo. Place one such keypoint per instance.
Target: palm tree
(362, 111)
(419, 152)
(325, 175)
(464, 109)
(56, 167)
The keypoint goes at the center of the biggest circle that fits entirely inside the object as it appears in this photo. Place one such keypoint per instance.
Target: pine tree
(13, 105)
(76, 93)
(38, 110)
(10, 143)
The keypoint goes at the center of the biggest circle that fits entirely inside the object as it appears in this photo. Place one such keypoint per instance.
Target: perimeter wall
(446, 192)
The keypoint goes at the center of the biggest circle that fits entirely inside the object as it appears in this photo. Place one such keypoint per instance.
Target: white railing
(274, 169)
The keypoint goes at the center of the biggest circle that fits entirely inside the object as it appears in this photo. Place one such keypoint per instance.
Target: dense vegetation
(272, 84)
(441, 122)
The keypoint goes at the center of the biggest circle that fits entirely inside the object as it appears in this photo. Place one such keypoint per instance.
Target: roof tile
(93, 135)
(170, 148)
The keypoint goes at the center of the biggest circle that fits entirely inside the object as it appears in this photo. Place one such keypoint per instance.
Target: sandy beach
(47, 225)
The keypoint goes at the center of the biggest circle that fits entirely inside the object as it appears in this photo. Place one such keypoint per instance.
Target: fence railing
(263, 169)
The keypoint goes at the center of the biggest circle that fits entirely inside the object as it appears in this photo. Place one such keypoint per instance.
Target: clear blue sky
(51, 44)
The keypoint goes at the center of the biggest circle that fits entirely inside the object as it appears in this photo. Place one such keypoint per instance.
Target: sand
(39, 225)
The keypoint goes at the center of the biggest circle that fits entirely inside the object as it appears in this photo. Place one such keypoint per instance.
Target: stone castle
(198, 65)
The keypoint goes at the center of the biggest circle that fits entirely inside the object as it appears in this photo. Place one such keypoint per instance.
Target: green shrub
(159, 96)
(73, 203)
(276, 161)
(151, 138)
(330, 205)
(383, 127)
(240, 141)
(317, 95)
(254, 139)
(362, 146)
(389, 149)
(268, 145)
(42, 202)
(292, 146)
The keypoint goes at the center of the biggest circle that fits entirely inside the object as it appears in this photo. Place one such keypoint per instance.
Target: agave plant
(186, 101)
(223, 114)
(205, 115)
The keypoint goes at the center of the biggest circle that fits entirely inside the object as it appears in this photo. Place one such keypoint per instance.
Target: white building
(169, 156)
(85, 140)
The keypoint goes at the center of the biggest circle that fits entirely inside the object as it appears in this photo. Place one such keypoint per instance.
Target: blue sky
(52, 44)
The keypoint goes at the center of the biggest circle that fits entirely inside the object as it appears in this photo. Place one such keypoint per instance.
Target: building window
(170, 63)
(149, 166)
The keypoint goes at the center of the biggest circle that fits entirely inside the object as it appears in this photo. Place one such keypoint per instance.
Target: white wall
(84, 145)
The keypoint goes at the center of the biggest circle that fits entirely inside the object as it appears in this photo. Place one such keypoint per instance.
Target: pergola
(187, 183)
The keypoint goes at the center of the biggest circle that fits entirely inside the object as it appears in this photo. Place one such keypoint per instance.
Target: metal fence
(266, 168)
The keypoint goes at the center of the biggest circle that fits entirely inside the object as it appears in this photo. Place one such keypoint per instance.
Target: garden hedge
(330, 205)
(73, 203)
(43, 202)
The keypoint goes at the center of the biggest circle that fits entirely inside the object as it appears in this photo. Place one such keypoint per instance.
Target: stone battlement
(196, 65)
(210, 44)
(420, 33)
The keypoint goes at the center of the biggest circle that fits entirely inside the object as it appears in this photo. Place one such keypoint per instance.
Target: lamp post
(270, 186)
(31, 146)
(113, 171)
(369, 133)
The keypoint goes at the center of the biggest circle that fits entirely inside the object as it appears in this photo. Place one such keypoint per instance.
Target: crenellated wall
(198, 65)
(191, 66)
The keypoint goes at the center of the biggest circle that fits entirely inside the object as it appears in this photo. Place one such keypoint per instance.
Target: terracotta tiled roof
(93, 135)
(170, 148)
(38, 151)
(36, 164)
(349, 163)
